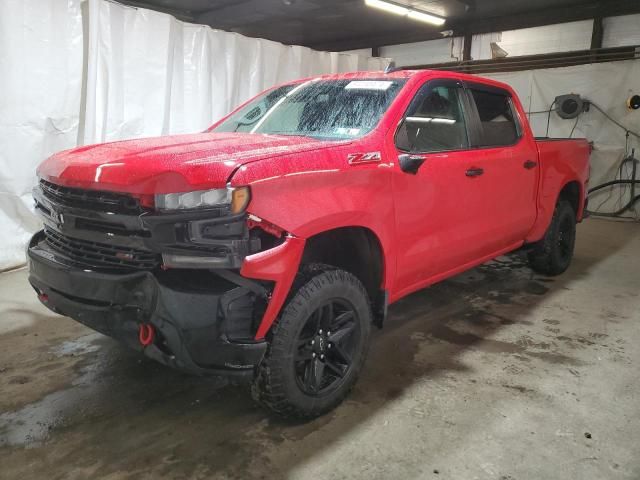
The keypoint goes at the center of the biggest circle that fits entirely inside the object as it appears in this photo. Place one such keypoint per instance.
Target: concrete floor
(495, 374)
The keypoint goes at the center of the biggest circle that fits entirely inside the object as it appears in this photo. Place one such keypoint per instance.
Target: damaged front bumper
(203, 324)
(195, 290)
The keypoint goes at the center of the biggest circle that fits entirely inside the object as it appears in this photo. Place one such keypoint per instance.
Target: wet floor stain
(519, 388)
(128, 414)
(34, 423)
(79, 346)
(450, 335)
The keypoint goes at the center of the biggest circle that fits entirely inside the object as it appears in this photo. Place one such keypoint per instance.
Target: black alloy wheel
(317, 346)
(553, 254)
(326, 346)
(566, 238)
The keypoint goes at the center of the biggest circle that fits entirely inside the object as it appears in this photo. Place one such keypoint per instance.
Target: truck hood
(168, 164)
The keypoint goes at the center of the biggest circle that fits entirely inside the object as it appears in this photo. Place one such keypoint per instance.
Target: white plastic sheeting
(608, 85)
(151, 74)
(40, 84)
(83, 72)
(562, 37)
(621, 31)
(442, 50)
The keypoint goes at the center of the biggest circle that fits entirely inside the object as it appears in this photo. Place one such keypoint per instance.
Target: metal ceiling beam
(535, 18)
(180, 14)
(532, 62)
(466, 47)
(598, 33)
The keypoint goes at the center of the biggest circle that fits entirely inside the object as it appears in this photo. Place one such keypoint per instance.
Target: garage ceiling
(349, 24)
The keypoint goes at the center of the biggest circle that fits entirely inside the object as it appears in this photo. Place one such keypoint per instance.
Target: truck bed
(560, 158)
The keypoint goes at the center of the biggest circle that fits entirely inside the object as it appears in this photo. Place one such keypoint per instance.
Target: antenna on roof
(392, 67)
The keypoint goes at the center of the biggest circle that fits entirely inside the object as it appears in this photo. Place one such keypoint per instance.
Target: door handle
(474, 172)
(529, 164)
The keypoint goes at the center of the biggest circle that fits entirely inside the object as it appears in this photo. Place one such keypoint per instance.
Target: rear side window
(498, 122)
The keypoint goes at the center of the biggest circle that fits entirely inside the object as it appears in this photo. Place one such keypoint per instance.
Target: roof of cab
(406, 74)
(375, 74)
(417, 75)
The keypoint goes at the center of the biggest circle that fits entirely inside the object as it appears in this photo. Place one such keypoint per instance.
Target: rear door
(509, 162)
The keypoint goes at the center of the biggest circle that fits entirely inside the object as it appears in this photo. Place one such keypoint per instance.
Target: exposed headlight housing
(236, 199)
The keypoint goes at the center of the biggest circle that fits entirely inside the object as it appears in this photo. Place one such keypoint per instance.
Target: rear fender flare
(546, 207)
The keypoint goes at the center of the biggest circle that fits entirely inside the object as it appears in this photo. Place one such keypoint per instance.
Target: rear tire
(552, 255)
(317, 346)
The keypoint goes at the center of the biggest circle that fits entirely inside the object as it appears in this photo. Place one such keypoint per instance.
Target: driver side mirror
(411, 163)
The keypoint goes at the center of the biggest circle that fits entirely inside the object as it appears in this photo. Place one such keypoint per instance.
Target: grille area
(100, 255)
(90, 199)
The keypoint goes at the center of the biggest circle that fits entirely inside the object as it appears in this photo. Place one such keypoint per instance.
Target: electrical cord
(620, 211)
(614, 121)
(574, 126)
(549, 117)
(613, 182)
(623, 191)
(597, 107)
(538, 112)
(630, 182)
(548, 112)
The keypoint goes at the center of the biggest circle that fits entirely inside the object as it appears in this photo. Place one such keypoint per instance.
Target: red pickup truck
(267, 246)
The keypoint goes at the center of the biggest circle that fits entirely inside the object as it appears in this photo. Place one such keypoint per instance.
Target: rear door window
(498, 121)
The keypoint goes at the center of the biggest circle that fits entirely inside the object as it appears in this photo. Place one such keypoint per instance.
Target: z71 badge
(357, 158)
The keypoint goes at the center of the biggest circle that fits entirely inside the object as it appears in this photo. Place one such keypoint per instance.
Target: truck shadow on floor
(125, 415)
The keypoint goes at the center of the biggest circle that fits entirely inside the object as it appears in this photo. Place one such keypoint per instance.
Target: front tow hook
(146, 334)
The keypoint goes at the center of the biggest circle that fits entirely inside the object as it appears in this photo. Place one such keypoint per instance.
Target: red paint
(559, 169)
(280, 265)
(430, 226)
(178, 163)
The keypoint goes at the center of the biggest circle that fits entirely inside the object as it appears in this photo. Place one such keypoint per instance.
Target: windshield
(323, 109)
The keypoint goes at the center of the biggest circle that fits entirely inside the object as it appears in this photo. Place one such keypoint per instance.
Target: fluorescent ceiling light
(405, 11)
(425, 17)
(387, 7)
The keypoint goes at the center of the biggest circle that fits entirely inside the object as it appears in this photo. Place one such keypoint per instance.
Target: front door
(442, 221)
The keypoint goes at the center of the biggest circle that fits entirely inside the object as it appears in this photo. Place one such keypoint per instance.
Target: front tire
(317, 346)
(553, 254)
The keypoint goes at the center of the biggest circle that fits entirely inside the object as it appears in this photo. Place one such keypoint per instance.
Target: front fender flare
(280, 265)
